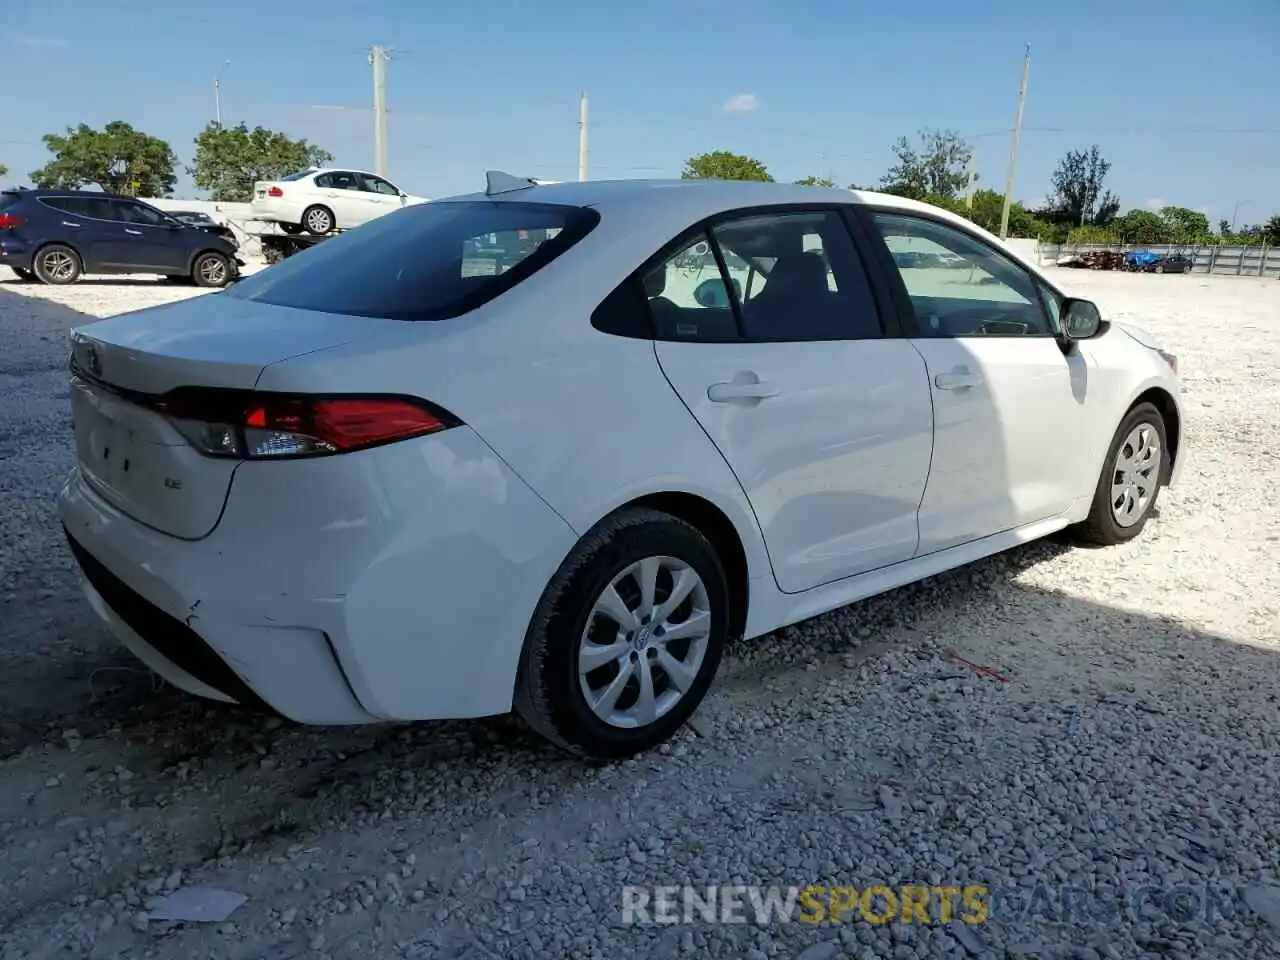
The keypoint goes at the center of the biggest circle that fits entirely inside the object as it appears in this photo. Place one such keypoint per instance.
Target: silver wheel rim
(59, 265)
(644, 642)
(213, 270)
(1136, 475)
(318, 221)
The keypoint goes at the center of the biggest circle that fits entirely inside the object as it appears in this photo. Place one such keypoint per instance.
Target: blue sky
(1180, 95)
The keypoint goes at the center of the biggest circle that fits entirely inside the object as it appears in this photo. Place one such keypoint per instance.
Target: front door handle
(68, 223)
(745, 387)
(134, 233)
(960, 378)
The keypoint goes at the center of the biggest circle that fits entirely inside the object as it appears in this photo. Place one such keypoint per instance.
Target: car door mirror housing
(1081, 320)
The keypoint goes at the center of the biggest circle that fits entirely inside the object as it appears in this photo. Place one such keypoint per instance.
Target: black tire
(1102, 528)
(57, 264)
(1186, 268)
(1159, 268)
(548, 692)
(180, 279)
(26, 276)
(292, 229)
(318, 220)
(211, 269)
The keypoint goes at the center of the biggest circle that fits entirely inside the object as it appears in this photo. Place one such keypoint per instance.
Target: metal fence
(1263, 261)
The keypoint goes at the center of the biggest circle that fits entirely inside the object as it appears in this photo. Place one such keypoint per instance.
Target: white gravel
(1134, 743)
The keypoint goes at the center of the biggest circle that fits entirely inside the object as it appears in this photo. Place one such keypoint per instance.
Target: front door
(825, 421)
(151, 242)
(381, 196)
(1008, 401)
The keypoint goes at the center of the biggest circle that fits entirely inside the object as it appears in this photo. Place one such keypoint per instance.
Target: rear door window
(431, 261)
(98, 208)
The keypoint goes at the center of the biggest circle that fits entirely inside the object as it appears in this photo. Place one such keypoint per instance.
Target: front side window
(960, 286)
(133, 212)
(431, 261)
(373, 184)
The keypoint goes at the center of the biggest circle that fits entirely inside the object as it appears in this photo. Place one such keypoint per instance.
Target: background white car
(556, 446)
(321, 201)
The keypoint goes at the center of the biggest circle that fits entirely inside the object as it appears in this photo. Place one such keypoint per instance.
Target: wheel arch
(714, 524)
(56, 243)
(1163, 401)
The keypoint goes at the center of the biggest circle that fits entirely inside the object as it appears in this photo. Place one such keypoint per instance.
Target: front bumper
(391, 584)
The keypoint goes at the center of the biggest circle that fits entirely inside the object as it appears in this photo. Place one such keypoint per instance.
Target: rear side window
(99, 208)
(8, 200)
(432, 261)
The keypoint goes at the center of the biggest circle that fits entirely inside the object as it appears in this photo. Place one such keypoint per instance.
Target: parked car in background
(57, 235)
(1145, 261)
(320, 201)
(555, 447)
(194, 218)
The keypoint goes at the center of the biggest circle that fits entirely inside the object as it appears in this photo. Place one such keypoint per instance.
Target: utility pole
(217, 94)
(582, 138)
(1013, 153)
(379, 57)
(971, 174)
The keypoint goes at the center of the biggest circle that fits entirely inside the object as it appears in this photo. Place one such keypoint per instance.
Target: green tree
(988, 207)
(117, 158)
(939, 168)
(816, 182)
(229, 159)
(723, 165)
(1271, 231)
(1078, 197)
(1184, 225)
(1141, 226)
(3, 170)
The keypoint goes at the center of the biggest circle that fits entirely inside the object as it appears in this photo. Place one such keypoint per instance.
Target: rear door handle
(960, 378)
(744, 387)
(135, 233)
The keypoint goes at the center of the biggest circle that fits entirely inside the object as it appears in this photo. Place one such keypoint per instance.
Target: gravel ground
(1128, 740)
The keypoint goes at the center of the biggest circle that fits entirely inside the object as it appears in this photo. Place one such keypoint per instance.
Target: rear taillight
(10, 220)
(266, 426)
(275, 192)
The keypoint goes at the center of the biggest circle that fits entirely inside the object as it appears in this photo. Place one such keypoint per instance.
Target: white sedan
(321, 201)
(551, 448)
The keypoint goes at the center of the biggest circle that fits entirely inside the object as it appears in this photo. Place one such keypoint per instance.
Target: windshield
(431, 261)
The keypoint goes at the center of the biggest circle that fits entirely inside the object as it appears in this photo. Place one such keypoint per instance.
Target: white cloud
(1156, 203)
(741, 103)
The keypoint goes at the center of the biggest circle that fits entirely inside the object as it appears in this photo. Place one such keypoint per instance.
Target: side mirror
(1081, 320)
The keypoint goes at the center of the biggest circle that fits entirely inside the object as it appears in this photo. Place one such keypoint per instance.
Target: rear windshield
(297, 176)
(431, 261)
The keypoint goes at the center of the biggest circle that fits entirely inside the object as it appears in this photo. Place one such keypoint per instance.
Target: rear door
(768, 328)
(152, 242)
(1010, 405)
(87, 224)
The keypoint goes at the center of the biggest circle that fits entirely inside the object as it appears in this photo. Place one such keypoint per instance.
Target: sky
(1181, 96)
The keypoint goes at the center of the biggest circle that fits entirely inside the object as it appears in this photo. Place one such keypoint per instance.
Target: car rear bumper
(15, 253)
(391, 584)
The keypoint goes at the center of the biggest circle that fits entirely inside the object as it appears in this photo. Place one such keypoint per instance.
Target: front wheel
(57, 264)
(1129, 485)
(211, 270)
(627, 637)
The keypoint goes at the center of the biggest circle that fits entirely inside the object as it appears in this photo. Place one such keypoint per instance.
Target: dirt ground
(1129, 739)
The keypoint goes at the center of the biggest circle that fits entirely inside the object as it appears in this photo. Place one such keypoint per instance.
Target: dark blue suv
(57, 235)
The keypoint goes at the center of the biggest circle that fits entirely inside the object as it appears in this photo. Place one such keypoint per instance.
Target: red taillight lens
(9, 220)
(275, 192)
(263, 426)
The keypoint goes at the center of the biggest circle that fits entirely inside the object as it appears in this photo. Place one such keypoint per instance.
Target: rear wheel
(1186, 268)
(627, 637)
(211, 270)
(57, 264)
(1130, 481)
(318, 220)
(1159, 268)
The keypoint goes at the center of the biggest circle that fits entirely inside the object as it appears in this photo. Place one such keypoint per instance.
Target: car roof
(659, 203)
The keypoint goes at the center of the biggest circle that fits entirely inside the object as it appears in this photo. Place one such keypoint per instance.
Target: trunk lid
(260, 188)
(130, 453)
